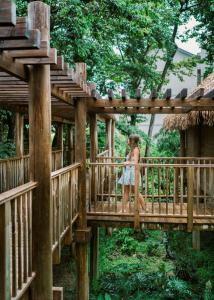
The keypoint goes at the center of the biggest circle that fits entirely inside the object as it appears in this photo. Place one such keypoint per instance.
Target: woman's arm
(136, 155)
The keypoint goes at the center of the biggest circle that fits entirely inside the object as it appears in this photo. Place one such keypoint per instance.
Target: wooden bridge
(50, 198)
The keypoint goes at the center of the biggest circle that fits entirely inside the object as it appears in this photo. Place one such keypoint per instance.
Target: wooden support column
(182, 143)
(196, 239)
(19, 134)
(40, 160)
(81, 232)
(108, 136)
(190, 178)
(93, 153)
(5, 220)
(59, 142)
(20, 144)
(70, 140)
(94, 254)
(112, 138)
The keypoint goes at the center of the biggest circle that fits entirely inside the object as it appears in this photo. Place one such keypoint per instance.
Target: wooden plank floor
(156, 208)
(159, 216)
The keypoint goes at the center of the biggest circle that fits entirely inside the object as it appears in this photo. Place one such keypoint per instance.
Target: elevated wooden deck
(177, 195)
(157, 216)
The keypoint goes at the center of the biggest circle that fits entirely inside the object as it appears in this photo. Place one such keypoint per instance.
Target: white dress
(128, 176)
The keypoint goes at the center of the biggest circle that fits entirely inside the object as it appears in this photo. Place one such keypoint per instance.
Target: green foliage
(167, 143)
(136, 265)
(7, 149)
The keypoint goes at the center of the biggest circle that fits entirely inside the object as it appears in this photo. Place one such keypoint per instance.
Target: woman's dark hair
(134, 138)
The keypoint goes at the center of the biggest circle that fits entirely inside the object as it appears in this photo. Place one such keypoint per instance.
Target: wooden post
(93, 153)
(176, 183)
(108, 136)
(82, 245)
(94, 254)
(20, 145)
(19, 135)
(196, 239)
(5, 220)
(40, 160)
(70, 139)
(59, 141)
(112, 137)
(182, 143)
(190, 191)
(136, 196)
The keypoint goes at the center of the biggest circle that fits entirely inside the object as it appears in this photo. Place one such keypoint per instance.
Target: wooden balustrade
(65, 210)
(158, 160)
(16, 228)
(15, 171)
(181, 190)
(16, 241)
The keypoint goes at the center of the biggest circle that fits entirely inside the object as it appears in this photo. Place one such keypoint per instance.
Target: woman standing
(128, 177)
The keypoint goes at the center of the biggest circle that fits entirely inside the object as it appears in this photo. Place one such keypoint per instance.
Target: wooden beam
(151, 103)
(123, 94)
(15, 69)
(198, 94)
(7, 13)
(43, 51)
(154, 94)
(32, 42)
(141, 110)
(182, 95)
(20, 31)
(50, 60)
(210, 94)
(168, 94)
(40, 160)
(60, 63)
(138, 94)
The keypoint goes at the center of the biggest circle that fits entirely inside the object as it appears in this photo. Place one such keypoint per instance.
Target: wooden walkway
(156, 216)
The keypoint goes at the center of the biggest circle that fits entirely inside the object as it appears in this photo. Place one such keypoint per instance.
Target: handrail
(103, 153)
(151, 165)
(164, 157)
(14, 158)
(64, 170)
(9, 195)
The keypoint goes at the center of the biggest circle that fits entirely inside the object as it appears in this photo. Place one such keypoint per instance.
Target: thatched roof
(207, 84)
(184, 121)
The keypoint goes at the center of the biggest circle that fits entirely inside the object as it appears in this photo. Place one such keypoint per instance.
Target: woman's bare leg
(126, 198)
(140, 199)
(142, 202)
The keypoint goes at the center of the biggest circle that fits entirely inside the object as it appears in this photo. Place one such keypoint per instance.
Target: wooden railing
(181, 190)
(65, 201)
(15, 171)
(104, 154)
(16, 241)
(160, 160)
(57, 160)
